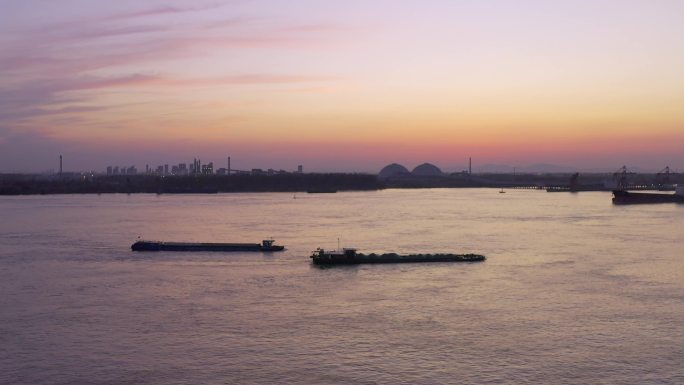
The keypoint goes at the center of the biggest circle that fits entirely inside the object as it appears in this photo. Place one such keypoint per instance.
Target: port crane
(620, 177)
(663, 176)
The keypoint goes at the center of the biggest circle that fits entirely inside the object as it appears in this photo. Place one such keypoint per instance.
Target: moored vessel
(350, 256)
(265, 245)
(622, 197)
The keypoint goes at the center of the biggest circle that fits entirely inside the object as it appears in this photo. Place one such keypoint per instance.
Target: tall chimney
(470, 166)
(228, 165)
(60, 165)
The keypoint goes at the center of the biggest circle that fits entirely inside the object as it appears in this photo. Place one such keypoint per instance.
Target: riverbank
(24, 184)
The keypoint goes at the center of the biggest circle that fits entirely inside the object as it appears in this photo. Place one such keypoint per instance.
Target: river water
(574, 290)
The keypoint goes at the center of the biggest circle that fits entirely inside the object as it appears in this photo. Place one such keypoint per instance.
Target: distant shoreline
(192, 184)
(21, 184)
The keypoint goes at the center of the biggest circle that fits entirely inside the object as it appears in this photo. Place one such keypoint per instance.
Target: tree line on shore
(15, 184)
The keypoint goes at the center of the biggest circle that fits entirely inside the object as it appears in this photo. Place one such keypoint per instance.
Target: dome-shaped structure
(427, 169)
(393, 169)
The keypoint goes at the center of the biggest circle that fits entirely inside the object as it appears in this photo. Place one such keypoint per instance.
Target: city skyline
(347, 86)
(223, 167)
(196, 167)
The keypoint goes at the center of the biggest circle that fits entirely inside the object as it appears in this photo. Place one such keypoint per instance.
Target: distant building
(258, 171)
(166, 169)
(426, 169)
(300, 169)
(115, 171)
(109, 170)
(393, 170)
(160, 170)
(207, 169)
(196, 166)
(131, 170)
(182, 169)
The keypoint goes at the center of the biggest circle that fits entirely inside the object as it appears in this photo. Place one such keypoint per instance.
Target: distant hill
(536, 168)
(547, 168)
(493, 168)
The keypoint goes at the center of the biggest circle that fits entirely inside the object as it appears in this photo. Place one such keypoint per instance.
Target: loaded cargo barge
(621, 197)
(351, 257)
(265, 245)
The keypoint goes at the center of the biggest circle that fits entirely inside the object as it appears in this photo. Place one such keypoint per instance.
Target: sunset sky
(341, 85)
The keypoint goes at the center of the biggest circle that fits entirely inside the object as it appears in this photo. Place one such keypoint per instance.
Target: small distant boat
(351, 257)
(265, 245)
(502, 191)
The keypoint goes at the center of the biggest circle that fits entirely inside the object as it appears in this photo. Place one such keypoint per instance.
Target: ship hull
(621, 197)
(357, 259)
(191, 246)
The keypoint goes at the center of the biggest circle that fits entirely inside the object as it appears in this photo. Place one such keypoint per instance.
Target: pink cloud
(260, 79)
(314, 28)
(56, 69)
(163, 10)
(122, 81)
(90, 83)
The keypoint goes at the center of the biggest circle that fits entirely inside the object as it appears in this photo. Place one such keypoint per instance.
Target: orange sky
(348, 87)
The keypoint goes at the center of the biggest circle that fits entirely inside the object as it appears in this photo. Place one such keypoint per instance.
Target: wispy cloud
(162, 11)
(171, 81)
(35, 100)
(19, 115)
(62, 68)
(314, 28)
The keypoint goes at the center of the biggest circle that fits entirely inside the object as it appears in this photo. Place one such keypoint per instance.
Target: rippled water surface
(574, 290)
